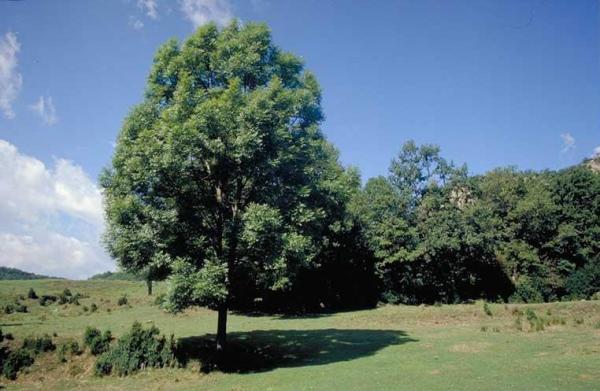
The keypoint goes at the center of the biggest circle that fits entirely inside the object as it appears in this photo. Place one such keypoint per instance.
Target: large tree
(221, 177)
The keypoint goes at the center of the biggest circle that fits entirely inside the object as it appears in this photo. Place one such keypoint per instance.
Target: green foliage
(47, 299)
(585, 282)
(9, 273)
(486, 309)
(15, 361)
(16, 307)
(122, 300)
(38, 344)
(93, 307)
(116, 276)
(138, 349)
(96, 341)
(31, 294)
(222, 179)
(66, 349)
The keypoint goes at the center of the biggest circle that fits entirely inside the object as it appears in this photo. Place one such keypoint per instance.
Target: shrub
(584, 282)
(46, 299)
(16, 360)
(85, 308)
(595, 296)
(160, 299)
(39, 344)
(16, 307)
(122, 300)
(67, 292)
(62, 299)
(96, 341)
(138, 349)
(68, 348)
(93, 307)
(486, 309)
(75, 298)
(31, 294)
(9, 336)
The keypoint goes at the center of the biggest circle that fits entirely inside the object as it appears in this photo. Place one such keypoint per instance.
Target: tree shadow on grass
(265, 350)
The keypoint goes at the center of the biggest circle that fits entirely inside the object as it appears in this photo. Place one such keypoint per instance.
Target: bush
(16, 360)
(96, 341)
(46, 299)
(31, 294)
(39, 345)
(122, 300)
(67, 292)
(16, 307)
(585, 281)
(160, 299)
(138, 349)
(93, 307)
(9, 309)
(68, 348)
(486, 309)
(62, 299)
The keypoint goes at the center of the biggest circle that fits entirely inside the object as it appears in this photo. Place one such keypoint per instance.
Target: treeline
(10, 273)
(431, 233)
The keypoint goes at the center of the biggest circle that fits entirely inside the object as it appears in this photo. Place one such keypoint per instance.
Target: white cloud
(10, 79)
(136, 23)
(150, 7)
(596, 152)
(44, 107)
(200, 12)
(51, 219)
(568, 142)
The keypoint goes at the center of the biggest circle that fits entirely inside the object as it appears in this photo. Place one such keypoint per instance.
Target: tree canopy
(221, 177)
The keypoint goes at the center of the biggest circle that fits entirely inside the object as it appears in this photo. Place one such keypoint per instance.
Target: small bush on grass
(67, 292)
(39, 344)
(95, 340)
(71, 348)
(160, 299)
(138, 349)
(47, 299)
(93, 307)
(31, 294)
(487, 309)
(122, 300)
(16, 360)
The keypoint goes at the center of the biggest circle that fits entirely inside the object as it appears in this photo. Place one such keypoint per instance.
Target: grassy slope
(393, 347)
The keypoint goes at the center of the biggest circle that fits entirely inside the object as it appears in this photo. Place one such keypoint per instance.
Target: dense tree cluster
(223, 183)
(437, 234)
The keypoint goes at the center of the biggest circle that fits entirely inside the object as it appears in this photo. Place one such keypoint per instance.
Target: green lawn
(454, 347)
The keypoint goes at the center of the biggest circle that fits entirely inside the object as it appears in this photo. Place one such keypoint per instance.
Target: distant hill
(9, 273)
(119, 275)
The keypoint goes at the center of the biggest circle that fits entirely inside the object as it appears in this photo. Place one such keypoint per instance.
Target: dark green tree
(221, 177)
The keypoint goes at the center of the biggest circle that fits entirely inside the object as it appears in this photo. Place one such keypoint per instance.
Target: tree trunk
(222, 329)
(149, 284)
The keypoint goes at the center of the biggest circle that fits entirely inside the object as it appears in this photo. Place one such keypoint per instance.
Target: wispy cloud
(150, 7)
(568, 142)
(136, 23)
(51, 218)
(10, 79)
(44, 107)
(200, 12)
(596, 152)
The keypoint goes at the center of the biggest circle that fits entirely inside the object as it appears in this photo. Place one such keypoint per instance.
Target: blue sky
(494, 83)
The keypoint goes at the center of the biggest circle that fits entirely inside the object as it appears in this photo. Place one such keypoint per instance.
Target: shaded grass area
(264, 350)
(460, 347)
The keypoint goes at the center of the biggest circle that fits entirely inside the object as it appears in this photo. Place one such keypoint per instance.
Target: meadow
(465, 346)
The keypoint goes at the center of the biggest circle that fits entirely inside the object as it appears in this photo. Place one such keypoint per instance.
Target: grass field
(449, 347)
